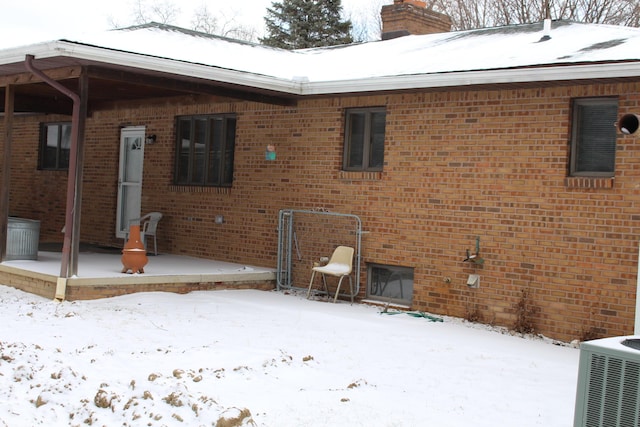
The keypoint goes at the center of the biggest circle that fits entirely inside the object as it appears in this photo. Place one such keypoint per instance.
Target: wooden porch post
(77, 135)
(71, 243)
(9, 98)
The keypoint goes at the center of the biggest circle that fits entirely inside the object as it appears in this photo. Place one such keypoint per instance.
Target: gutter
(171, 66)
(302, 86)
(478, 77)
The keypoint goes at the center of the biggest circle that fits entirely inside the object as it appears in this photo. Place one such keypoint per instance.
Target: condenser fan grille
(612, 392)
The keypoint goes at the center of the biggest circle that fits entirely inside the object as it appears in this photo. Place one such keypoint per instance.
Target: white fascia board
(560, 72)
(135, 60)
(481, 77)
(17, 54)
(166, 65)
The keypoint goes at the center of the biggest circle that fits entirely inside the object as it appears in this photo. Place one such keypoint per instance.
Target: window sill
(360, 176)
(588, 182)
(199, 189)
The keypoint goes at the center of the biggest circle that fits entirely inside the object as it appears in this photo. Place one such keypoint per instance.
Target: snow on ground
(253, 358)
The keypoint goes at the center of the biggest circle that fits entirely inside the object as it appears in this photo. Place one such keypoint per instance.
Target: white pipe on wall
(636, 329)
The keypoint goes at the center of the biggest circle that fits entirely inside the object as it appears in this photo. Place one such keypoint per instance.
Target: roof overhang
(116, 76)
(474, 78)
(120, 75)
(59, 53)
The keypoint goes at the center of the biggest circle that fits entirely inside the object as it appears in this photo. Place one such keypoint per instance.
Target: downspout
(71, 204)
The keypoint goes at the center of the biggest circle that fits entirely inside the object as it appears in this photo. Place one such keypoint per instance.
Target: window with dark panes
(205, 149)
(390, 283)
(593, 137)
(364, 139)
(55, 146)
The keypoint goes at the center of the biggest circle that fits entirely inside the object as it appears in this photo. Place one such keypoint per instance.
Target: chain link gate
(304, 237)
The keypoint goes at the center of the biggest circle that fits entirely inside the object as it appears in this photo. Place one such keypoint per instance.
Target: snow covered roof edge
(518, 53)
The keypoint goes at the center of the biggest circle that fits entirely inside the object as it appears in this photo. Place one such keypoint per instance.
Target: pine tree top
(300, 24)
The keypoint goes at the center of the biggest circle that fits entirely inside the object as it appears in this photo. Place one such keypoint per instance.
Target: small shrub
(592, 333)
(525, 314)
(473, 314)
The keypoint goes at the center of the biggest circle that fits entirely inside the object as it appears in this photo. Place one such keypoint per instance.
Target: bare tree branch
(488, 13)
(464, 14)
(163, 12)
(203, 21)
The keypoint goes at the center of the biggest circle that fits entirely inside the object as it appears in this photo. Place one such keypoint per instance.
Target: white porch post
(636, 329)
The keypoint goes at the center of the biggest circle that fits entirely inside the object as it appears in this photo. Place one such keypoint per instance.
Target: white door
(129, 177)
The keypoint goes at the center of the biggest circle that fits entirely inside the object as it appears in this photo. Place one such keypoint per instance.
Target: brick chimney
(405, 17)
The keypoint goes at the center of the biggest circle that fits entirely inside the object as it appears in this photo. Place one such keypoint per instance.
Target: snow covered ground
(252, 358)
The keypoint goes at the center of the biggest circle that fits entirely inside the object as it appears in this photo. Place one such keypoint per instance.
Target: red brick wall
(458, 165)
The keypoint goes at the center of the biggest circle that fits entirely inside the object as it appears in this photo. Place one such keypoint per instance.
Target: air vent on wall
(608, 393)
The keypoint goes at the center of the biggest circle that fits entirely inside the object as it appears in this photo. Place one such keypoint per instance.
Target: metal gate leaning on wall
(304, 237)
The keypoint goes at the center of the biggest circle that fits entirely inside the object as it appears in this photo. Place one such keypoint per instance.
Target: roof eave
(18, 54)
(564, 72)
(165, 65)
(301, 87)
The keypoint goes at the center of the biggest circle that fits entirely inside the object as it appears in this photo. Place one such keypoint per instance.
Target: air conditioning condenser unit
(608, 393)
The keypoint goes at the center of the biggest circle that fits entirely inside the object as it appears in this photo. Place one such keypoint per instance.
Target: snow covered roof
(511, 54)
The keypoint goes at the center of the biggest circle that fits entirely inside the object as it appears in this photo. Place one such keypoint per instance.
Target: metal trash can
(23, 236)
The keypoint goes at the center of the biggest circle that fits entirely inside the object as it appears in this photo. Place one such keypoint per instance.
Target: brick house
(497, 142)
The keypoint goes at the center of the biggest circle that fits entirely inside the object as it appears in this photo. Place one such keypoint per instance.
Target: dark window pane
(52, 136)
(390, 283)
(50, 155)
(355, 158)
(597, 139)
(199, 145)
(65, 146)
(364, 139)
(376, 152)
(227, 177)
(55, 144)
(594, 137)
(205, 150)
(184, 148)
(215, 147)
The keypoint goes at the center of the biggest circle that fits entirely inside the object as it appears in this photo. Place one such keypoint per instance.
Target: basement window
(204, 150)
(55, 146)
(364, 139)
(390, 283)
(593, 137)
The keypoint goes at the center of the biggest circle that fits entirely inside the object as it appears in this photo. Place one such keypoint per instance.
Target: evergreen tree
(300, 24)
